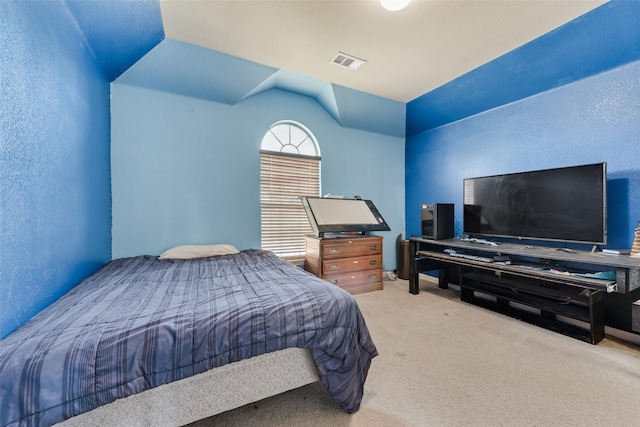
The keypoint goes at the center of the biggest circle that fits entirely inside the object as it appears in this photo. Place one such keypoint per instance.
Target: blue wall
(54, 135)
(588, 121)
(603, 39)
(186, 170)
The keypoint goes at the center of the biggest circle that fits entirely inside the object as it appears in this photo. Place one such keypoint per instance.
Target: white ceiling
(408, 53)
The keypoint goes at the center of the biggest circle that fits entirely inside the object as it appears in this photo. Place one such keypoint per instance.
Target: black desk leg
(443, 279)
(418, 264)
(596, 312)
(414, 279)
(466, 294)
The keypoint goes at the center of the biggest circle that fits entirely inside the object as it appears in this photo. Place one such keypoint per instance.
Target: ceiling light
(394, 5)
(348, 61)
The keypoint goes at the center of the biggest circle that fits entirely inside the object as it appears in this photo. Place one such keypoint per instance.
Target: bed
(146, 337)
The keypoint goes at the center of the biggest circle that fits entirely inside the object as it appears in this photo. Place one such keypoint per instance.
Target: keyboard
(472, 257)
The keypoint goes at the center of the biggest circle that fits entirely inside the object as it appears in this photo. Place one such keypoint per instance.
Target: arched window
(289, 169)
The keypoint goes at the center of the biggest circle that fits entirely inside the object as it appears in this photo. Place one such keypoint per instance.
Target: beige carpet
(443, 362)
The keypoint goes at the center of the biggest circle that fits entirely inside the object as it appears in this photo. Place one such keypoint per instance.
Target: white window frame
(289, 168)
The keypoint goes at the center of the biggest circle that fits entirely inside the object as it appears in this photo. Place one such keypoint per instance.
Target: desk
(544, 278)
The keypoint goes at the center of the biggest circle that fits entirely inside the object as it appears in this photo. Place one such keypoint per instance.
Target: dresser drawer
(354, 277)
(340, 265)
(347, 248)
(357, 282)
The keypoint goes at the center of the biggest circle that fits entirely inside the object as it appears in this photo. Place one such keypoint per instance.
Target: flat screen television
(566, 204)
(329, 215)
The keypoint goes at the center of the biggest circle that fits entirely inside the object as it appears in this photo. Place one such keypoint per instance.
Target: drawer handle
(373, 247)
(373, 276)
(335, 266)
(334, 251)
(334, 281)
(373, 262)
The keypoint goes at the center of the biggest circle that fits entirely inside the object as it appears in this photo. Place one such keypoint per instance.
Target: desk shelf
(586, 306)
(526, 270)
(532, 279)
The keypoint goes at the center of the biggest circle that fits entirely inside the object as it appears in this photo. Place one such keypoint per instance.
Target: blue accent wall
(55, 195)
(592, 120)
(186, 170)
(603, 39)
(119, 32)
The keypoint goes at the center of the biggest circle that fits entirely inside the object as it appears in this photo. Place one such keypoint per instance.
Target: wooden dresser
(352, 263)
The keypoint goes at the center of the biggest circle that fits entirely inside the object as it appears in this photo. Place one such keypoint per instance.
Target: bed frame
(206, 394)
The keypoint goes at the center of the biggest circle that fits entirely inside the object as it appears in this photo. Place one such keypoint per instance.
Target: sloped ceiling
(409, 52)
(189, 70)
(598, 41)
(119, 32)
(128, 39)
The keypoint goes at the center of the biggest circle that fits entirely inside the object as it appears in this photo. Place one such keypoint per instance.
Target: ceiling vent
(347, 61)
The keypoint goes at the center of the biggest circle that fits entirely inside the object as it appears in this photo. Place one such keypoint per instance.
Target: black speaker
(436, 221)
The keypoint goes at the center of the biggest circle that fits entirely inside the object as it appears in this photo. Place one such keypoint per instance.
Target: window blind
(283, 180)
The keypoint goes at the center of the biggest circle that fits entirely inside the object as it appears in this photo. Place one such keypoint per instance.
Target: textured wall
(119, 32)
(603, 39)
(186, 170)
(589, 121)
(54, 135)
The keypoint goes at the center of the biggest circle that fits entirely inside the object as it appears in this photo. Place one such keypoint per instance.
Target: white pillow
(198, 251)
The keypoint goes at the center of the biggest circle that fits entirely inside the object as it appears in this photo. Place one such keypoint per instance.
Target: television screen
(329, 215)
(564, 204)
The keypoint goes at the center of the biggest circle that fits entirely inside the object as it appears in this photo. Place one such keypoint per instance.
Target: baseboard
(428, 278)
(608, 331)
(623, 335)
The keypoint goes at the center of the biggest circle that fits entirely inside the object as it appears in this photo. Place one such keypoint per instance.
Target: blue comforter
(142, 322)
